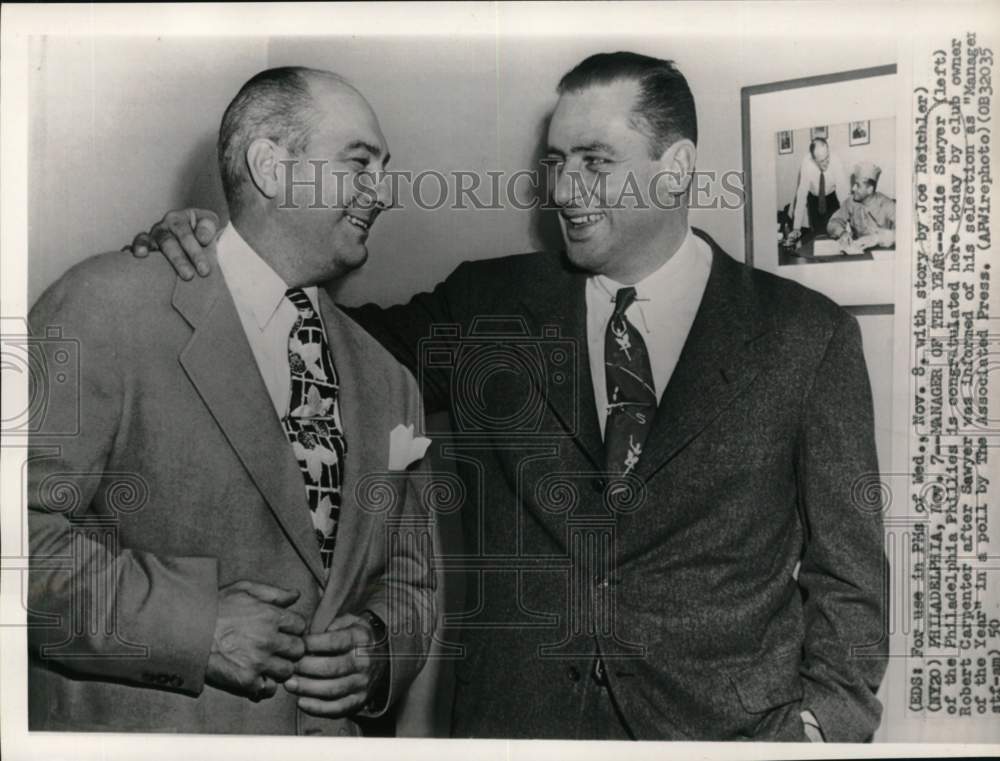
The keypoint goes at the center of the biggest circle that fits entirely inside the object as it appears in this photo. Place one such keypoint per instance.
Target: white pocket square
(405, 448)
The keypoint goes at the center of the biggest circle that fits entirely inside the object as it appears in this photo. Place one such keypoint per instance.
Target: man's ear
(676, 165)
(263, 161)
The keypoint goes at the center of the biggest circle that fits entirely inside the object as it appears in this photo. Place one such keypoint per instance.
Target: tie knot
(623, 300)
(299, 299)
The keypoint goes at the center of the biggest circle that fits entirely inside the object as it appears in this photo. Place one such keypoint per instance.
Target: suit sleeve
(405, 598)
(844, 572)
(98, 610)
(405, 329)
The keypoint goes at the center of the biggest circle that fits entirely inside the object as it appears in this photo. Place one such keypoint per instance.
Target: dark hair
(663, 111)
(816, 141)
(275, 104)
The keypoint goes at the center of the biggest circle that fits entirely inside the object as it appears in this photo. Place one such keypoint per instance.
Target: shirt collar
(673, 276)
(252, 281)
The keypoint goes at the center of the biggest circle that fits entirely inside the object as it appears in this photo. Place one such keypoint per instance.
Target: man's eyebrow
(593, 147)
(375, 150)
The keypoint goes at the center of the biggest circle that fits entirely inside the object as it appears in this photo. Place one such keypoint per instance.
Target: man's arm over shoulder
(844, 569)
(403, 329)
(162, 609)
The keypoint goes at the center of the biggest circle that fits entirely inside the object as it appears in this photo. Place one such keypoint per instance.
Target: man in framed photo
(868, 218)
(821, 187)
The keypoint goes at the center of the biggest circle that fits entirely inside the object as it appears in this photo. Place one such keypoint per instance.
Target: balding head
(820, 151)
(279, 105)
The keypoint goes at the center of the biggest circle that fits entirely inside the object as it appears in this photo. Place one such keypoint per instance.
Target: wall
(120, 131)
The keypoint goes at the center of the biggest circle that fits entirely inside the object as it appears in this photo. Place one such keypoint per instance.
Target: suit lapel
(220, 363)
(562, 302)
(720, 359)
(367, 448)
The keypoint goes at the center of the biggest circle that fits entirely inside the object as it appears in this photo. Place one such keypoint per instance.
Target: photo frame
(822, 132)
(786, 142)
(859, 133)
(864, 282)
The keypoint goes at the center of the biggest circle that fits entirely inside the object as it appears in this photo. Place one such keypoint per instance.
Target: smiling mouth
(359, 222)
(581, 221)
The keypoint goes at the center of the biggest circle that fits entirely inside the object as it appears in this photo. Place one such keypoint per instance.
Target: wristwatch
(380, 692)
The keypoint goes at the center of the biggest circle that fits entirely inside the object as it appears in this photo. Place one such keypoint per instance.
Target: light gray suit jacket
(163, 474)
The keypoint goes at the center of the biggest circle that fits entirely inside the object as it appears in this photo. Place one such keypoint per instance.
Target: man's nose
(566, 186)
(384, 196)
(376, 189)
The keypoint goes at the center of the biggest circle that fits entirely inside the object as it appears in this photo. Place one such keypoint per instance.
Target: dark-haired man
(249, 588)
(868, 217)
(668, 547)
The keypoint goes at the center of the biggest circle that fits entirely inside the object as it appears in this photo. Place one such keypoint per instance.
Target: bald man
(250, 588)
(821, 187)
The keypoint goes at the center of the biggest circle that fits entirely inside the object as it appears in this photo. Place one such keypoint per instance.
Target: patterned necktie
(821, 205)
(313, 421)
(631, 396)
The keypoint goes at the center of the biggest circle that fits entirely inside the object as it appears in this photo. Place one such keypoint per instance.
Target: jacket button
(573, 673)
(599, 485)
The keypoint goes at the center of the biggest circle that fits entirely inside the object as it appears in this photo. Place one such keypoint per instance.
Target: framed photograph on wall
(784, 141)
(859, 132)
(776, 205)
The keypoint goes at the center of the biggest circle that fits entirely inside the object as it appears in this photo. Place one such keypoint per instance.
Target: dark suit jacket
(742, 580)
(180, 480)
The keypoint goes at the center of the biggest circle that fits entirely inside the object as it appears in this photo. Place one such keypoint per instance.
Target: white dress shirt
(835, 180)
(663, 312)
(267, 316)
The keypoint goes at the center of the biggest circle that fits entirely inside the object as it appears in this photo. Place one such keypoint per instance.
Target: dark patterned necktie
(821, 205)
(631, 395)
(313, 421)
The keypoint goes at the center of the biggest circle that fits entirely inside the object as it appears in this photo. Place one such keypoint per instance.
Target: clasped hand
(260, 643)
(340, 670)
(257, 639)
